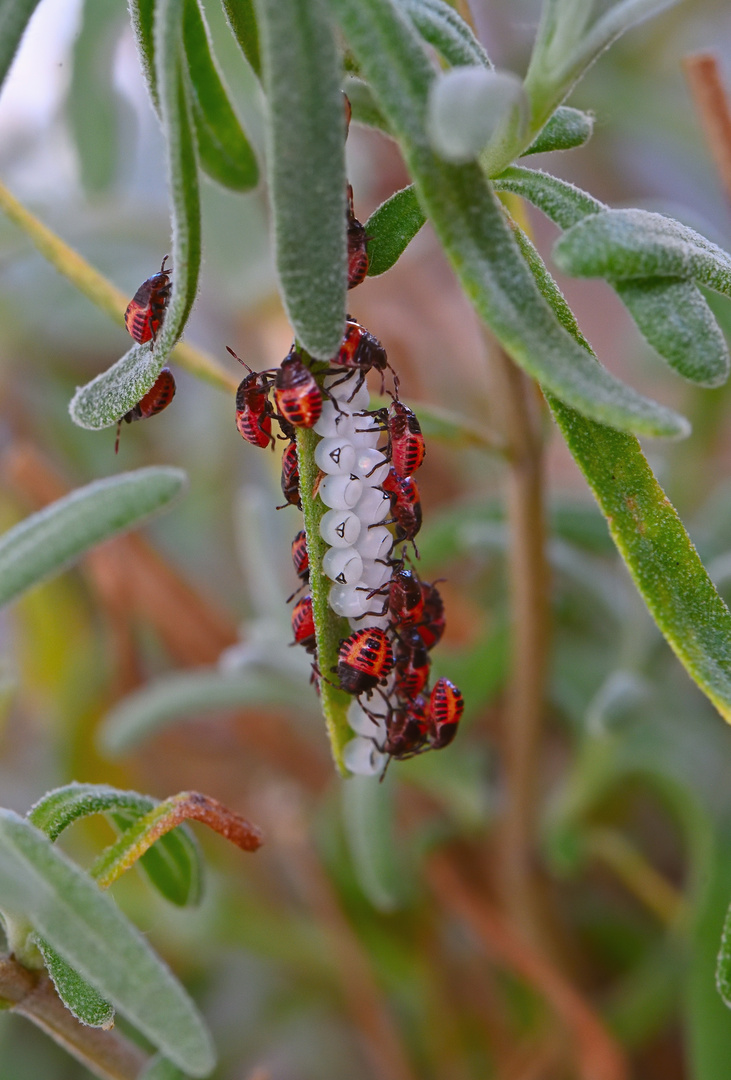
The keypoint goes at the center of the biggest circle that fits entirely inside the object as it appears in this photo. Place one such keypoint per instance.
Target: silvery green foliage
(446, 31)
(306, 166)
(47, 542)
(467, 106)
(42, 891)
(670, 311)
(14, 17)
(79, 997)
(104, 400)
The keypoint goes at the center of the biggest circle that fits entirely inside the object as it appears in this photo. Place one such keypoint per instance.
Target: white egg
(341, 492)
(370, 465)
(375, 573)
(366, 432)
(340, 528)
(362, 756)
(328, 424)
(343, 565)
(336, 455)
(374, 543)
(373, 506)
(363, 724)
(348, 600)
(382, 622)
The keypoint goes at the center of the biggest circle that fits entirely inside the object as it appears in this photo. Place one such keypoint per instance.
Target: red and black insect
(446, 706)
(291, 477)
(433, 620)
(254, 410)
(145, 311)
(301, 561)
(364, 660)
(297, 396)
(357, 246)
(406, 448)
(359, 351)
(303, 624)
(155, 400)
(407, 729)
(412, 665)
(405, 505)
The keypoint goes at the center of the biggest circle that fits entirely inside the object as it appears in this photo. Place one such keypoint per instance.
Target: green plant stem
(107, 1054)
(107, 297)
(517, 405)
(330, 629)
(634, 871)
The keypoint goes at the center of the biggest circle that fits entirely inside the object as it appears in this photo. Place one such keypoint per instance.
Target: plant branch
(107, 297)
(598, 1055)
(712, 105)
(517, 407)
(636, 874)
(107, 1054)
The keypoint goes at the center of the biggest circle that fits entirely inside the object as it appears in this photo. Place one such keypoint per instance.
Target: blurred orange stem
(714, 112)
(598, 1055)
(518, 408)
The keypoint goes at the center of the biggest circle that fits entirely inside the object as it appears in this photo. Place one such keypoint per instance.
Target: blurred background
(347, 947)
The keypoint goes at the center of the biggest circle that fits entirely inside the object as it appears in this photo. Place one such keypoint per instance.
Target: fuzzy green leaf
(62, 807)
(558, 199)
(14, 18)
(306, 162)
(110, 395)
(79, 997)
(142, 13)
(566, 129)
(242, 20)
(94, 104)
(565, 48)
(363, 106)
(368, 815)
(622, 244)
(446, 31)
(674, 317)
(175, 697)
(225, 152)
(467, 108)
(41, 886)
(49, 541)
(472, 228)
(173, 864)
(391, 228)
(671, 313)
(646, 528)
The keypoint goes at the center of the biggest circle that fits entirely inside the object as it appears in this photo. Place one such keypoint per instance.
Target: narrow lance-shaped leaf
(167, 815)
(94, 105)
(566, 129)
(142, 13)
(40, 884)
(14, 18)
(173, 698)
(364, 109)
(306, 162)
(242, 20)
(113, 393)
(472, 228)
(647, 530)
(79, 997)
(49, 541)
(225, 152)
(563, 51)
(444, 29)
(391, 228)
(671, 313)
(638, 244)
(173, 864)
(159, 1068)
